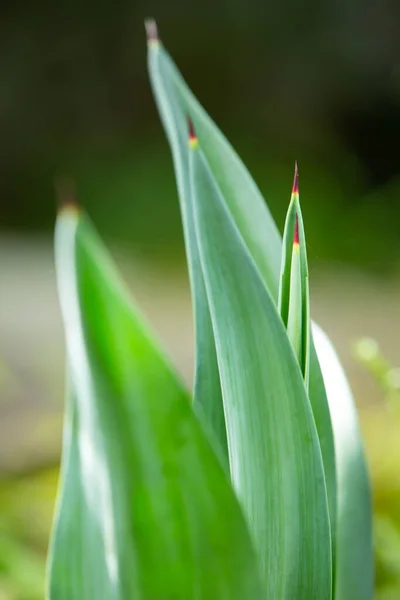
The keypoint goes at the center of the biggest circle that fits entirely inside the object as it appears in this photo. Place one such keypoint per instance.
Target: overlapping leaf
(259, 233)
(145, 508)
(274, 453)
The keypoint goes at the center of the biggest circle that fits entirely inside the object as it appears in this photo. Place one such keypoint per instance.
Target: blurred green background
(315, 81)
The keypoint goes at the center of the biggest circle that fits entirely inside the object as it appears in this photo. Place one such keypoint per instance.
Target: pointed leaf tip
(295, 189)
(193, 141)
(66, 196)
(151, 31)
(296, 239)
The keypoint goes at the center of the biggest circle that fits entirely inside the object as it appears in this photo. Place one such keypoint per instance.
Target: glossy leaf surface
(145, 508)
(247, 207)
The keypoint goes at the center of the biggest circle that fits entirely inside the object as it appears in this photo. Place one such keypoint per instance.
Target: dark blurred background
(315, 81)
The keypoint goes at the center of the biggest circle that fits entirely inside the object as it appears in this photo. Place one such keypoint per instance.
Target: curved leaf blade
(354, 578)
(275, 457)
(68, 560)
(207, 389)
(244, 201)
(146, 510)
(240, 192)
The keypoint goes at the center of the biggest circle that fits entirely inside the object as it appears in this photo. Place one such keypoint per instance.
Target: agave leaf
(275, 457)
(145, 510)
(246, 205)
(354, 578)
(240, 192)
(207, 389)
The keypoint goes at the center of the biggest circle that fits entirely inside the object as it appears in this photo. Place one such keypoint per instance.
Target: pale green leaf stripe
(207, 390)
(145, 509)
(253, 219)
(274, 453)
(354, 559)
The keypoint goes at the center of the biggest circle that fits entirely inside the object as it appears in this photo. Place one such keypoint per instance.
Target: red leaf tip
(192, 134)
(295, 189)
(296, 239)
(151, 31)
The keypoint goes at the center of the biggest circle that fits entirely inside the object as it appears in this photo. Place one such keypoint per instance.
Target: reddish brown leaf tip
(192, 134)
(66, 194)
(295, 189)
(296, 239)
(151, 31)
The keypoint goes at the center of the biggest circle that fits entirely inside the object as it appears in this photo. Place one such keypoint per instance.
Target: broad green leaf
(274, 453)
(145, 509)
(294, 295)
(247, 207)
(354, 558)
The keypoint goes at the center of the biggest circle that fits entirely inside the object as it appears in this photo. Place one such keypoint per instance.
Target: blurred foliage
(369, 354)
(383, 442)
(26, 507)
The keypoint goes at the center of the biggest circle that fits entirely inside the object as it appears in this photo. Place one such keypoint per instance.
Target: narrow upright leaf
(294, 296)
(175, 102)
(145, 508)
(287, 249)
(207, 388)
(275, 457)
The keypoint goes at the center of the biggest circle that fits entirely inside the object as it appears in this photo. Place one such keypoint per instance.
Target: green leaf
(207, 388)
(247, 207)
(294, 295)
(354, 558)
(275, 457)
(145, 509)
(240, 192)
